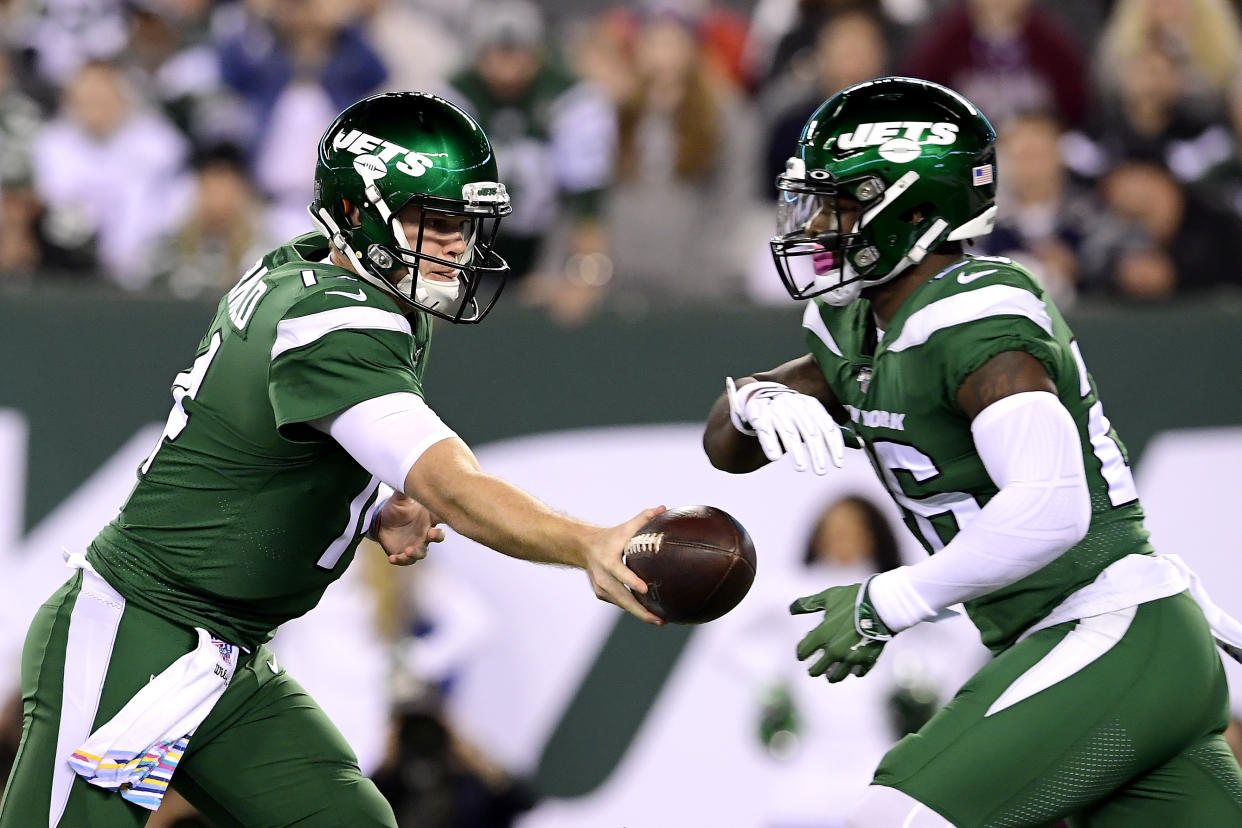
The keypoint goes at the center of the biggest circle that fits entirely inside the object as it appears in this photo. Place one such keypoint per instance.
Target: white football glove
(787, 422)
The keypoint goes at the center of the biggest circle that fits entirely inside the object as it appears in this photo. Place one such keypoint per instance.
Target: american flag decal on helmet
(981, 175)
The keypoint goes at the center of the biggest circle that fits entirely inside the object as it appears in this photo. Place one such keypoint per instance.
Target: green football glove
(850, 636)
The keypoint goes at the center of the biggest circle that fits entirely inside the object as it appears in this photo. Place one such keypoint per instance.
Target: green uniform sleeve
(330, 354)
(983, 339)
(339, 370)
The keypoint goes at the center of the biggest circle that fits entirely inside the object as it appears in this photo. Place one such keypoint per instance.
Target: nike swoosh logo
(359, 296)
(965, 278)
(273, 666)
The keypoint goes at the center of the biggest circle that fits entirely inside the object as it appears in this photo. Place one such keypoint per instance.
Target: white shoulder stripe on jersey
(813, 322)
(303, 330)
(993, 300)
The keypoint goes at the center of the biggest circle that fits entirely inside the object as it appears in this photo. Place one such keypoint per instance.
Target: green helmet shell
(393, 150)
(919, 160)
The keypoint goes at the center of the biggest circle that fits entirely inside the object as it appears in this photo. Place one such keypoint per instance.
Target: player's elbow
(723, 453)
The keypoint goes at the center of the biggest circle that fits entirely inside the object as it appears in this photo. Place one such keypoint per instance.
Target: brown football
(698, 562)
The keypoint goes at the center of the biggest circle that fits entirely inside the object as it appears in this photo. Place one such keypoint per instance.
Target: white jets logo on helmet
(359, 143)
(901, 135)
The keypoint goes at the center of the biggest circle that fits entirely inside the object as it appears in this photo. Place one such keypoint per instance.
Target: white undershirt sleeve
(387, 434)
(1031, 448)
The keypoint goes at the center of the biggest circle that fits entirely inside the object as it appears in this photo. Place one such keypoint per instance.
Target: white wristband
(738, 397)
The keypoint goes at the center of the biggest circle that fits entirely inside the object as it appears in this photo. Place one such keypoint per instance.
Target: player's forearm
(492, 511)
(1030, 447)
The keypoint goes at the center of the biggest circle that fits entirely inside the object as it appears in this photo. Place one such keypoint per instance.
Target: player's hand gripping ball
(698, 563)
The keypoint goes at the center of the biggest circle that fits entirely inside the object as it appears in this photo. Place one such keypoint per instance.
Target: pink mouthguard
(823, 261)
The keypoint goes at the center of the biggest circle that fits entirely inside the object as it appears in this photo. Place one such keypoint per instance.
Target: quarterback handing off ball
(698, 562)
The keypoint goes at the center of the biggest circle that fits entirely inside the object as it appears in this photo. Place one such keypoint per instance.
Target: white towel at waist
(1137, 579)
(1225, 628)
(138, 749)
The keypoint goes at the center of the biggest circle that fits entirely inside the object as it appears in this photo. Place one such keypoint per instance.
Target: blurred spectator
(109, 169)
(852, 532)
(418, 40)
(1085, 20)
(1222, 183)
(63, 35)
(1195, 246)
(155, 31)
(1007, 56)
(555, 138)
(434, 778)
(1148, 117)
(432, 774)
(783, 33)
(297, 63)
(172, 60)
(723, 33)
(600, 50)
(686, 146)
(20, 120)
(1202, 37)
(849, 48)
(223, 234)
(1046, 220)
(824, 748)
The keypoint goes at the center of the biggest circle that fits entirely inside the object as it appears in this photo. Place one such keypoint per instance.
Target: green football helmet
(396, 150)
(916, 158)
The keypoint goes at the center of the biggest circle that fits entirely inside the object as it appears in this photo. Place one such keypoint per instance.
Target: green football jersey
(243, 514)
(901, 392)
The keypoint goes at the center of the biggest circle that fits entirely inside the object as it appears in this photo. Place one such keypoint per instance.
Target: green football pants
(265, 756)
(1114, 720)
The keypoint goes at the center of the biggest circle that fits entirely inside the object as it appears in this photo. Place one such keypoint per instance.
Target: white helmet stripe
(372, 192)
(899, 186)
(980, 225)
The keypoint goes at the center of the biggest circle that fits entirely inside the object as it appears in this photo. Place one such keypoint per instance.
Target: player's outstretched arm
(785, 410)
(448, 481)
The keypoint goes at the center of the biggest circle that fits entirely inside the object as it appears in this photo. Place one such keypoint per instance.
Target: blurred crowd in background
(163, 145)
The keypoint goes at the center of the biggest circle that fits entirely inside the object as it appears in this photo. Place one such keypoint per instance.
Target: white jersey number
(185, 386)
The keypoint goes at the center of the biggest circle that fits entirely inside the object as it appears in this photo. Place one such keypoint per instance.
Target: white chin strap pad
(842, 296)
(432, 293)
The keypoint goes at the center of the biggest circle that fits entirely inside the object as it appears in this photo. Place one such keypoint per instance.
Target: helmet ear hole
(352, 214)
(918, 214)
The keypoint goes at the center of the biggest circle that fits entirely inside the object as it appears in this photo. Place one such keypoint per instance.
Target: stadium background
(576, 716)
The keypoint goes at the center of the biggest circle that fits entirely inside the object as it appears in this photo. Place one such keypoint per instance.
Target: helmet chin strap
(328, 227)
(438, 295)
(435, 294)
(845, 294)
(842, 295)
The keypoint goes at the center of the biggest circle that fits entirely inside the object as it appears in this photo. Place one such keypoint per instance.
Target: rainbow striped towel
(138, 749)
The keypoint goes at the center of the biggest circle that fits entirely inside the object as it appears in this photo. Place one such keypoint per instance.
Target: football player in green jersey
(305, 397)
(1106, 700)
